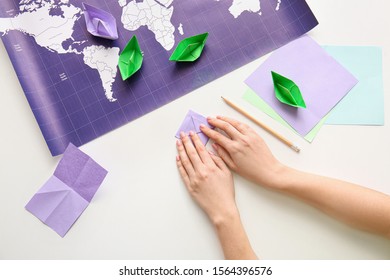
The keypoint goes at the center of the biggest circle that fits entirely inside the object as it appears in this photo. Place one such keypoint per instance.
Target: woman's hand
(207, 178)
(244, 151)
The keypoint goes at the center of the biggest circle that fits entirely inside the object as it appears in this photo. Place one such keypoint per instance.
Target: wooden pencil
(262, 125)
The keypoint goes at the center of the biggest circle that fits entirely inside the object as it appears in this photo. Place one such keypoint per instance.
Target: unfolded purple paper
(100, 23)
(192, 122)
(62, 199)
(322, 81)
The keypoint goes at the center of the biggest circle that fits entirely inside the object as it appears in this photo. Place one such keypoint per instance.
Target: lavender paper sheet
(322, 80)
(80, 172)
(64, 197)
(71, 80)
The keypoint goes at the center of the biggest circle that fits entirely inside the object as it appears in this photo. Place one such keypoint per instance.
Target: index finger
(241, 127)
(217, 137)
(226, 127)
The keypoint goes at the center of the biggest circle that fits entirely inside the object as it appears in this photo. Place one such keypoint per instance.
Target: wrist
(275, 177)
(226, 219)
(287, 180)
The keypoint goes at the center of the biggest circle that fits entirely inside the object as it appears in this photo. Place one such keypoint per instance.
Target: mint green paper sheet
(260, 104)
(364, 104)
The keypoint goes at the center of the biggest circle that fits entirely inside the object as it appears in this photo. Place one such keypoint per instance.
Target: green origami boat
(190, 49)
(287, 92)
(130, 60)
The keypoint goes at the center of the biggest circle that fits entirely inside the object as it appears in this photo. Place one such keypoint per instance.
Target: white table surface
(143, 211)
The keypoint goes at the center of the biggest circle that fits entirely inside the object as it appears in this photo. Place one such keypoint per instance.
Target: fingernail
(182, 134)
(192, 133)
(178, 142)
(177, 158)
(202, 126)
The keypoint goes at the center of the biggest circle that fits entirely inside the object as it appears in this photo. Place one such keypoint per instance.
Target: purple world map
(71, 80)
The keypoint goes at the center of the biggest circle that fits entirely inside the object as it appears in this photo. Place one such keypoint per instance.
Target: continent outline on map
(155, 15)
(104, 60)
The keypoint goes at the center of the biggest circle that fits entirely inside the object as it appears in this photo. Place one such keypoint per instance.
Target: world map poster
(71, 78)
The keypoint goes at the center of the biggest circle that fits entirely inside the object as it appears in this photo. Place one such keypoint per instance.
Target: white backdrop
(142, 210)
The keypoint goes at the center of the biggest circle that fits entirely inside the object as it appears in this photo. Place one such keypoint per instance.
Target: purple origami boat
(100, 23)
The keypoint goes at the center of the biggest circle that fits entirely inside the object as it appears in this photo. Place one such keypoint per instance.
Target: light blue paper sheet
(364, 104)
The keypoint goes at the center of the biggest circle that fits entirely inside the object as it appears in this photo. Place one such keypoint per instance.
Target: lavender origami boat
(100, 23)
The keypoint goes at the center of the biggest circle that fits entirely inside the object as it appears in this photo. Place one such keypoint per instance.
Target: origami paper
(62, 199)
(100, 23)
(364, 104)
(286, 91)
(251, 97)
(192, 122)
(323, 80)
(130, 60)
(190, 48)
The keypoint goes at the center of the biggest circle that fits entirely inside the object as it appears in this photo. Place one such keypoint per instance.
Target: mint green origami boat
(130, 59)
(287, 92)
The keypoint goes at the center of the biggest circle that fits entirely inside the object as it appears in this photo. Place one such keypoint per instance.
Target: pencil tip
(295, 148)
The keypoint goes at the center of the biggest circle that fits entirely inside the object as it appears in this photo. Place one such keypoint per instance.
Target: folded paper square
(100, 23)
(57, 205)
(192, 122)
(62, 199)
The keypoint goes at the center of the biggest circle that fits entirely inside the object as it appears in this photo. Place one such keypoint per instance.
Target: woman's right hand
(244, 151)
